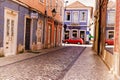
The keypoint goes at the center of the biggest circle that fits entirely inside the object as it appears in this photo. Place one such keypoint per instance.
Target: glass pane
(8, 27)
(68, 16)
(67, 35)
(74, 34)
(75, 17)
(12, 28)
(83, 16)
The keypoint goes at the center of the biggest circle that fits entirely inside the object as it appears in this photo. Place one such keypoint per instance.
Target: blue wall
(1, 25)
(21, 19)
(22, 11)
(83, 25)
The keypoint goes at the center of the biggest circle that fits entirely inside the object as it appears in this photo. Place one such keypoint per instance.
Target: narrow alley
(59, 40)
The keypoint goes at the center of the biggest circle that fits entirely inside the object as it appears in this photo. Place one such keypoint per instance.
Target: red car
(109, 42)
(73, 41)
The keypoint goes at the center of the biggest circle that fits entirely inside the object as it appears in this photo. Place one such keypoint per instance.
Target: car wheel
(106, 43)
(78, 42)
(66, 42)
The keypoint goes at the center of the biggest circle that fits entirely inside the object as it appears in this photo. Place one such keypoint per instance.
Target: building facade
(111, 12)
(105, 15)
(116, 64)
(96, 24)
(29, 25)
(77, 21)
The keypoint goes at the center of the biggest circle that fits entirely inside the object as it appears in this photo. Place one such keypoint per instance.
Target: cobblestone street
(49, 66)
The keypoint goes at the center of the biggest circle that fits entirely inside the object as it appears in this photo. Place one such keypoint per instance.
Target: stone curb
(20, 57)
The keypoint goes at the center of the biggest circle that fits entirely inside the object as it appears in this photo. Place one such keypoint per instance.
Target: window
(61, 11)
(61, 8)
(12, 28)
(51, 4)
(67, 35)
(41, 1)
(39, 31)
(49, 33)
(56, 5)
(48, 6)
(82, 35)
(110, 34)
(75, 17)
(8, 27)
(67, 16)
(83, 16)
(74, 33)
(111, 17)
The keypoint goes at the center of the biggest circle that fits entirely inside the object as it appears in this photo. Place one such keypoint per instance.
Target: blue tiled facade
(21, 16)
(22, 12)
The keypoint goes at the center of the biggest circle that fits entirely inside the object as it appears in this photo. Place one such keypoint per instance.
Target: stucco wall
(71, 17)
(22, 12)
(21, 24)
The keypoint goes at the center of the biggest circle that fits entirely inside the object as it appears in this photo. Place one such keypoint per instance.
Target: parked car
(73, 41)
(109, 41)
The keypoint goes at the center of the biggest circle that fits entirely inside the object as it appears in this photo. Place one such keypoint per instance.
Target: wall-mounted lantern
(54, 12)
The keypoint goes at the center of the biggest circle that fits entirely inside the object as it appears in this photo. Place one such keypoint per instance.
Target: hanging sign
(34, 15)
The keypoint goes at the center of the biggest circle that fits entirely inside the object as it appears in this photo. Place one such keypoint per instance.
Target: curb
(4, 61)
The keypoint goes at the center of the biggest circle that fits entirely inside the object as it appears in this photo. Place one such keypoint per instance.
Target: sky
(85, 2)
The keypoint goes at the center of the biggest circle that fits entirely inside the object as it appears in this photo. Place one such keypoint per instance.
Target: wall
(22, 11)
(117, 43)
(71, 20)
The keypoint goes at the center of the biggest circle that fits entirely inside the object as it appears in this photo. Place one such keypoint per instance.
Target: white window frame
(51, 4)
(85, 16)
(61, 8)
(109, 34)
(77, 16)
(110, 17)
(66, 16)
(84, 34)
(69, 33)
(74, 30)
(41, 1)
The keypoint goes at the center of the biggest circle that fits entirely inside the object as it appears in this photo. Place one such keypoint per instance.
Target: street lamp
(65, 25)
(66, 4)
(54, 12)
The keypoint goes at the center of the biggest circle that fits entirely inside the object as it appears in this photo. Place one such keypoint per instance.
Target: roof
(111, 5)
(76, 4)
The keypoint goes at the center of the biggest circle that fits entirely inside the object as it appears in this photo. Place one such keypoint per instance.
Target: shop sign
(34, 15)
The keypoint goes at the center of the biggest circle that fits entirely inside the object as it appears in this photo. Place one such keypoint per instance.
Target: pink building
(117, 43)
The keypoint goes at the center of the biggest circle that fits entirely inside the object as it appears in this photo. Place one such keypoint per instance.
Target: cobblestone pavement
(49, 66)
(89, 66)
